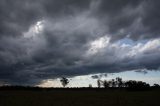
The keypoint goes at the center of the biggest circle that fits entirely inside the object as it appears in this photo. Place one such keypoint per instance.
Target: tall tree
(64, 81)
(113, 83)
(119, 82)
(99, 83)
(105, 84)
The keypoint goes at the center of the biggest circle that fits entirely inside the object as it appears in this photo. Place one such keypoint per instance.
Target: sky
(43, 40)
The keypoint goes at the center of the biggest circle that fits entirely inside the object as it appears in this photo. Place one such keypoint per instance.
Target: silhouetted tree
(136, 84)
(119, 82)
(110, 83)
(105, 84)
(99, 83)
(156, 85)
(64, 81)
(113, 83)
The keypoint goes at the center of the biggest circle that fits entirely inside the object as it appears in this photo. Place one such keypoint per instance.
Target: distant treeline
(116, 83)
(119, 83)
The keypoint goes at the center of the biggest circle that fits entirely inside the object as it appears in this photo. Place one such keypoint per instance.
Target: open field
(79, 97)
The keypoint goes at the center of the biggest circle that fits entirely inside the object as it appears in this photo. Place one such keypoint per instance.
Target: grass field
(79, 97)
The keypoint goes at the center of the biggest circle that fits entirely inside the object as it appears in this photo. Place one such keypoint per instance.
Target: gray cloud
(44, 39)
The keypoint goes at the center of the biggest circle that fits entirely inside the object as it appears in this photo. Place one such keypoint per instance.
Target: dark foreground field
(79, 97)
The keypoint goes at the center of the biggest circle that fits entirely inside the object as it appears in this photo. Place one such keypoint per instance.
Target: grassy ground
(65, 97)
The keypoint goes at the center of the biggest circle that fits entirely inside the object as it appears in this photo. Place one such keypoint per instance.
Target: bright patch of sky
(34, 30)
(98, 45)
(129, 41)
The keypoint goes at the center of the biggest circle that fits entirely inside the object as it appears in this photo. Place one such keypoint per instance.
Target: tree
(113, 83)
(105, 84)
(156, 85)
(136, 84)
(64, 81)
(119, 82)
(110, 83)
(99, 83)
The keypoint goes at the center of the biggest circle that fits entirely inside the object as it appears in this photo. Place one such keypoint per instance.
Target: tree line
(113, 83)
(116, 83)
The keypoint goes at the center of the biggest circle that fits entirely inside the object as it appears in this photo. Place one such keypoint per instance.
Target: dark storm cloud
(138, 19)
(16, 16)
(68, 32)
(151, 17)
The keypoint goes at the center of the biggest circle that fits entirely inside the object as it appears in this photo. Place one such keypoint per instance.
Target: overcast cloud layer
(44, 39)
